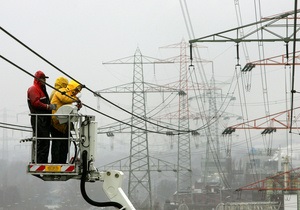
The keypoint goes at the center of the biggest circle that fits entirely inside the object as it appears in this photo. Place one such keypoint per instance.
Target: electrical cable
(293, 70)
(15, 125)
(203, 77)
(95, 93)
(207, 124)
(261, 53)
(244, 112)
(120, 121)
(17, 129)
(244, 45)
(113, 125)
(211, 122)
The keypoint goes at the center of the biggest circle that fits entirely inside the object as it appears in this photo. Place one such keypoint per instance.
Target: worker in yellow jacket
(68, 95)
(60, 82)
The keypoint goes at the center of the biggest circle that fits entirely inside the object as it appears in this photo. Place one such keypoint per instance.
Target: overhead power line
(120, 121)
(15, 127)
(95, 93)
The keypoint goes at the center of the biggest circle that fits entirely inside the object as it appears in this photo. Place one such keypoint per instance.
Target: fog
(78, 36)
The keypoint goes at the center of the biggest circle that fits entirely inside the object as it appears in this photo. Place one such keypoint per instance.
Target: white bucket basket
(67, 113)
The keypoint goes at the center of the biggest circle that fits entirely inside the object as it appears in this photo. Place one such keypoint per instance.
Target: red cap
(40, 74)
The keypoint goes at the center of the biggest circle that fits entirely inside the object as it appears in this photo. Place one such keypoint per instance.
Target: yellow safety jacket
(62, 99)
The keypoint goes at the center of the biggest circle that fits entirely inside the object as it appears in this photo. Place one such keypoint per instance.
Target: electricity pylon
(139, 169)
(277, 28)
(184, 178)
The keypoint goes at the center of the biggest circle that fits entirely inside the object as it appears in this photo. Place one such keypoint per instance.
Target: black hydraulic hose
(75, 155)
(82, 187)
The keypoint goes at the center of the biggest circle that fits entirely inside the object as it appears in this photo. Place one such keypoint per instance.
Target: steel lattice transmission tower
(214, 160)
(266, 31)
(139, 171)
(139, 168)
(184, 177)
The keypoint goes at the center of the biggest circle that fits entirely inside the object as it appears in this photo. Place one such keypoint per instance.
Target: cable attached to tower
(95, 93)
(293, 71)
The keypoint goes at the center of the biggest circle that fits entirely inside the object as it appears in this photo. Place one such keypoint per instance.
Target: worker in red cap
(39, 103)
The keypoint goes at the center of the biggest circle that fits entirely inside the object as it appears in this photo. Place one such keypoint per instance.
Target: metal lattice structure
(212, 143)
(139, 171)
(277, 28)
(184, 178)
(139, 183)
(268, 26)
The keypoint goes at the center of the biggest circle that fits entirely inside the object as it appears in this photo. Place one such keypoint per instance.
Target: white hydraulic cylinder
(88, 141)
(112, 187)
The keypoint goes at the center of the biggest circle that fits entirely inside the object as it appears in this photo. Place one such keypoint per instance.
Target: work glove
(51, 106)
(79, 104)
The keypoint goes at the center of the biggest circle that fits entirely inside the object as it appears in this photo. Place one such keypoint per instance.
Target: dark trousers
(42, 132)
(42, 149)
(59, 149)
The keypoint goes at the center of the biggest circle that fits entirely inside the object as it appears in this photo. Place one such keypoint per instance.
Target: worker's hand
(79, 104)
(51, 106)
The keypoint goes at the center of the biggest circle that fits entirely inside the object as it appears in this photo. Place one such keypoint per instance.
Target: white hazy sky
(77, 36)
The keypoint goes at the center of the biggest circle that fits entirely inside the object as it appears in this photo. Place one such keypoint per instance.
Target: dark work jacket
(38, 101)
